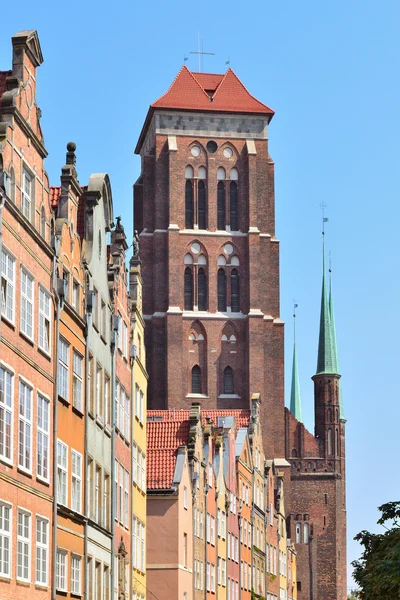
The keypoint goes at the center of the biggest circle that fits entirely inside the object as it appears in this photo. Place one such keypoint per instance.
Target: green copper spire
(326, 355)
(334, 344)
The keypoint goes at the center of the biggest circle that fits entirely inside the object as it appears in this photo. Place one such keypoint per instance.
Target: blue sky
(330, 71)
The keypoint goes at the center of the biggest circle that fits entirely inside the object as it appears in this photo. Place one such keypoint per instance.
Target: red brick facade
(194, 331)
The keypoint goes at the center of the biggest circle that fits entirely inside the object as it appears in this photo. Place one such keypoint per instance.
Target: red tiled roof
(165, 436)
(55, 193)
(3, 77)
(163, 440)
(188, 92)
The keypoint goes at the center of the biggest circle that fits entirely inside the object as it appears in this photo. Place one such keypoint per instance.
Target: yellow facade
(139, 396)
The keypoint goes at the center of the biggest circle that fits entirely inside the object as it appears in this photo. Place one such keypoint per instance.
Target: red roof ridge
(182, 70)
(231, 72)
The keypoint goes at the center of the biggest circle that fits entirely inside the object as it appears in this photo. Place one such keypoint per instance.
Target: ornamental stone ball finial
(71, 158)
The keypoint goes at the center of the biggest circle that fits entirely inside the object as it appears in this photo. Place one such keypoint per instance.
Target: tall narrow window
(23, 545)
(7, 286)
(77, 381)
(62, 471)
(26, 192)
(228, 381)
(235, 296)
(189, 214)
(76, 481)
(202, 290)
(188, 289)
(61, 570)
(6, 420)
(5, 540)
(221, 290)
(196, 380)
(330, 442)
(44, 321)
(75, 574)
(43, 429)
(202, 208)
(26, 304)
(24, 427)
(305, 533)
(234, 206)
(63, 366)
(41, 550)
(221, 205)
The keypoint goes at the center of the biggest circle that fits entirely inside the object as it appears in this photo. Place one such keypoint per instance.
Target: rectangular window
(23, 545)
(141, 407)
(121, 422)
(185, 550)
(126, 499)
(26, 194)
(223, 572)
(127, 417)
(95, 308)
(24, 426)
(143, 555)
(134, 463)
(208, 577)
(76, 295)
(137, 402)
(116, 406)
(77, 387)
(41, 550)
(7, 286)
(44, 320)
(76, 481)
(97, 494)
(6, 419)
(119, 341)
(106, 582)
(121, 493)
(5, 540)
(43, 431)
(125, 339)
(106, 500)
(213, 531)
(103, 319)
(212, 570)
(26, 304)
(208, 525)
(99, 397)
(97, 580)
(185, 504)
(62, 471)
(107, 408)
(75, 574)
(134, 542)
(63, 366)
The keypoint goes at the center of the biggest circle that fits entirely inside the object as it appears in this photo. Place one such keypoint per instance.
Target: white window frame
(61, 570)
(25, 425)
(8, 263)
(24, 544)
(42, 550)
(77, 380)
(76, 562)
(43, 437)
(126, 498)
(6, 538)
(6, 413)
(62, 473)
(44, 320)
(27, 193)
(27, 300)
(76, 480)
(134, 553)
(63, 368)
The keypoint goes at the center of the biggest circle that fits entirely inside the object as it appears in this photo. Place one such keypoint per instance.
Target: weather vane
(324, 219)
(200, 52)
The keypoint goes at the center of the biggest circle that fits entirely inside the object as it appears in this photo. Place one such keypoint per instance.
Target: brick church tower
(204, 209)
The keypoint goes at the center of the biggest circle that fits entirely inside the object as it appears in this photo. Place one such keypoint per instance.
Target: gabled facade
(28, 336)
(244, 471)
(69, 397)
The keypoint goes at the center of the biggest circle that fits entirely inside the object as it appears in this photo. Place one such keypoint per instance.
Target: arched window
(221, 175)
(330, 442)
(202, 216)
(234, 206)
(196, 380)
(202, 289)
(228, 381)
(189, 220)
(221, 290)
(294, 452)
(235, 295)
(188, 291)
(305, 533)
(221, 205)
(43, 223)
(202, 173)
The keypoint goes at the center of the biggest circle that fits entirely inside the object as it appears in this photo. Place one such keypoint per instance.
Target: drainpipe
(194, 484)
(86, 441)
(113, 499)
(55, 414)
(2, 203)
(240, 547)
(205, 530)
(133, 399)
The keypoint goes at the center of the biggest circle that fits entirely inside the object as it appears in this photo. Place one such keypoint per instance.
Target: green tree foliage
(377, 572)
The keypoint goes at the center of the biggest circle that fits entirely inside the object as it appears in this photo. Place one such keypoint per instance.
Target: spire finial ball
(71, 146)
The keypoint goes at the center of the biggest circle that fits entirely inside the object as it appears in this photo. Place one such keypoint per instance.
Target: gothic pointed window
(196, 380)
(188, 291)
(234, 206)
(189, 220)
(330, 442)
(202, 208)
(202, 289)
(221, 205)
(235, 295)
(221, 290)
(228, 381)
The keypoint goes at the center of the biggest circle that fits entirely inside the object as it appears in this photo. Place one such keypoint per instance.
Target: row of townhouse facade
(215, 508)
(73, 383)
